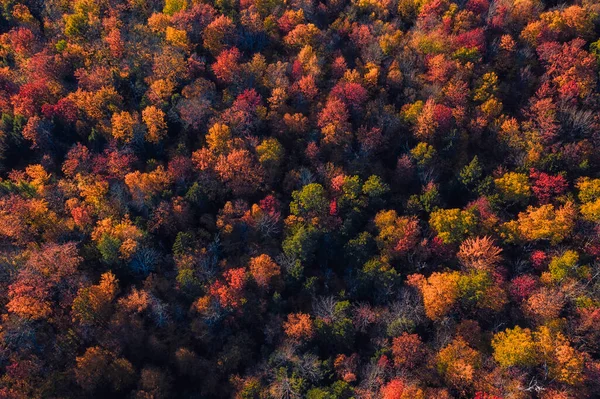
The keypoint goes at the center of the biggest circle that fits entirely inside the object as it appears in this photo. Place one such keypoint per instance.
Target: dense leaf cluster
(320, 199)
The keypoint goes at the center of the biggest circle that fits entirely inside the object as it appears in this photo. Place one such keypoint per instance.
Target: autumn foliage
(320, 199)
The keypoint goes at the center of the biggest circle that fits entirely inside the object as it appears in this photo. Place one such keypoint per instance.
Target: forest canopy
(321, 199)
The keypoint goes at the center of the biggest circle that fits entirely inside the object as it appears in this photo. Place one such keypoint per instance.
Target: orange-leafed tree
(240, 172)
(440, 292)
(263, 269)
(393, 389)
(458, 364)
(93, 304)
(50, 271)
(299, 326)
(334, 123)
(156, 124)
(479, 253)
(230, 290)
